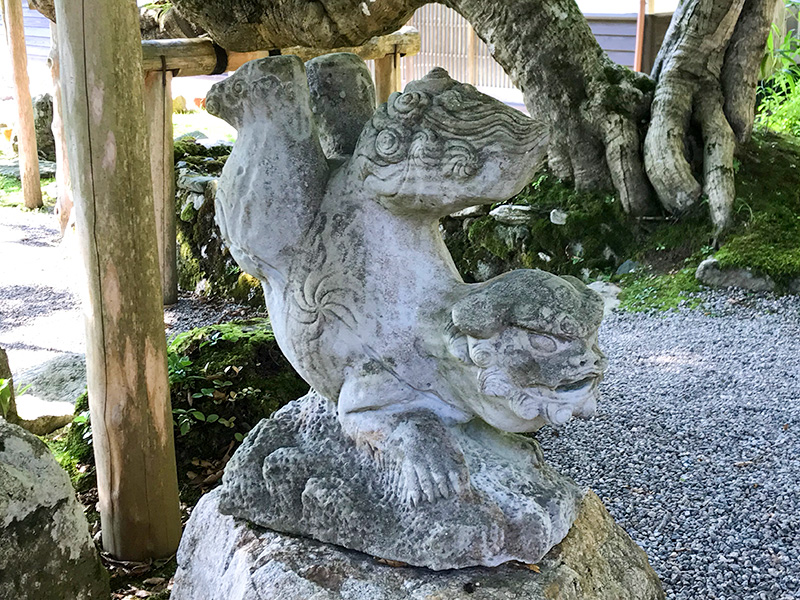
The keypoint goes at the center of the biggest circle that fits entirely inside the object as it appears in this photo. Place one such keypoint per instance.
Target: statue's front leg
(417, 452)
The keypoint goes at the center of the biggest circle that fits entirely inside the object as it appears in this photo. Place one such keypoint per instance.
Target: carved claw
(432, 476)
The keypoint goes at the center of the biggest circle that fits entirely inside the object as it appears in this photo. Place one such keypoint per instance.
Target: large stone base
(222, 558)
(45, 547)
(298, 473)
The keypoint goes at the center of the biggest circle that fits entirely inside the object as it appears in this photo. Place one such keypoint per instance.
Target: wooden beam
(26, 131)
(158, 109)
(198, 56)
(107, 144)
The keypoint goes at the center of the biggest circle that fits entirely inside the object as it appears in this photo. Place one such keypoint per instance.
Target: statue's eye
(238, 88)
(543, 343)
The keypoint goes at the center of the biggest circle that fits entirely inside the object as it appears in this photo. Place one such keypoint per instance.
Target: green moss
(247, 289)
(595, 235)
(648, 291)
(201, 253)
(188, 149)
(645, 84)
(73, 449)
(235, 371)
(614, 73)
(189, 273)
(765, 236)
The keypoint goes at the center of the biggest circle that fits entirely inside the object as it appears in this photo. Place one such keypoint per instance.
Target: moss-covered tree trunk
(107, 145)
(603, 133)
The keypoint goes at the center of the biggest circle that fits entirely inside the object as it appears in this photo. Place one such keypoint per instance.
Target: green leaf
(238, 437)
(212, 418)
(198, 415)
(185, 426)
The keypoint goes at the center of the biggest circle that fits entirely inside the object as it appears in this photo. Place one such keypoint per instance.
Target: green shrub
(223, 380)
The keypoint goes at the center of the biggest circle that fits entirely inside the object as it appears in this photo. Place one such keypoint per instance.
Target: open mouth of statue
(577, 385)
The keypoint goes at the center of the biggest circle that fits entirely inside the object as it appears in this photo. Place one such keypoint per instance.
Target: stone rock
(46, 7)
(223, 557)
(192, 182)
(558, 217)
(629, 266)
(10, 168)
(298, 473)
(794, 286)
(193, 135)
(59, 380)
(210, 143)
(610, 294)
(43, 122)
(710, 273)
(45, 547)
(512, 214)
(470, 212)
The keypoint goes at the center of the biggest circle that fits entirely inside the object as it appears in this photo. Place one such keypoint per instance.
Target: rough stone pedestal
(298, 473)
(222, 558)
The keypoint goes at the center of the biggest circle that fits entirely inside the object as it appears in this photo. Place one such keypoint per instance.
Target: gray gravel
(696, 445)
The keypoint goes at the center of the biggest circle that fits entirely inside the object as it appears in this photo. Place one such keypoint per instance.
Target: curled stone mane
(534, 300)
(438, 120)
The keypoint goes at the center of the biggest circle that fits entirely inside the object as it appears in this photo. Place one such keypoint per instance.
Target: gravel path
(40, 315)
(695, 449)
(696, 445)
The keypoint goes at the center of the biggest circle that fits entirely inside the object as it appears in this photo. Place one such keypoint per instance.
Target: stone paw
(429, 478)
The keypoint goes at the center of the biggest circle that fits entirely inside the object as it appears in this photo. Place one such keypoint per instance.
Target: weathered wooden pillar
(108, 148)
(158, 108)
(63, 208)
(26, 131)
(387, 76)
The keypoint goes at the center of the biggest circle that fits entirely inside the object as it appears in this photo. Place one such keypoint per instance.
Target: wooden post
(26, 131)
(387, 76)
(639, 49)
(472, 56)
(63, 208)
(107, 143)
(158, 108)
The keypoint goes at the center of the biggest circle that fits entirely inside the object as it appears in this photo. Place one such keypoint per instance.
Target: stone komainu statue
(400, 449)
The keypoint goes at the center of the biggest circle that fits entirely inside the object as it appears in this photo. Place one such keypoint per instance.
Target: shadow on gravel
(20, 303)
(40, 236)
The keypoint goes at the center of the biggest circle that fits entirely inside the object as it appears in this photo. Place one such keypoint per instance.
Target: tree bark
(26, 131)
(107, 143)
(602, 131)
(593, 106)
(706, 75)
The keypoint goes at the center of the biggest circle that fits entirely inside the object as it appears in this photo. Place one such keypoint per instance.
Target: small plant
(5, 396)
(779, 106)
